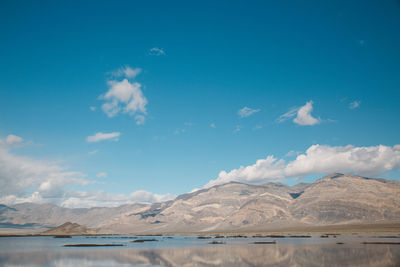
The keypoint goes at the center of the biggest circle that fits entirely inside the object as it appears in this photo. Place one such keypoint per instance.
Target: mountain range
(336, 199)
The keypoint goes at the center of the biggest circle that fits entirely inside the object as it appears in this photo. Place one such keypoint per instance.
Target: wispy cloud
(101, 175)
(318, 159)
(246, 112)
(354, 104)
(93, 152)
(92, 108)
(303, 115)
(237, 128)
(114, 136)
(290, 114)
(156, 51)
(126, 71)
(212, 125)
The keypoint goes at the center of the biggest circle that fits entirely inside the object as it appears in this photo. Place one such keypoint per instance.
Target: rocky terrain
(332, 200)
(70, 229)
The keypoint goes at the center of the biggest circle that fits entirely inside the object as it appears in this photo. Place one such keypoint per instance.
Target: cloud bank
(20, 176)
(25, 179)
(88, 199)
(318, 159)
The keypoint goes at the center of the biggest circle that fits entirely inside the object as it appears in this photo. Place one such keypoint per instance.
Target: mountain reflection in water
(252, 255)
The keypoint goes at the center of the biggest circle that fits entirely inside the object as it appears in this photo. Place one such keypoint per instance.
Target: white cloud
(103, 136)
(292, 153)
(179, 131)
(303, 118)
(156, 51)
(92, 108)
(24, 179)
(21, 175)
(127, 97)
(212, 125)
(88, 199)
(143, 196)
(140, 119)
(93, 152)
(354, 104)
(237, 129)
(126, 71)
(101, 175)
(318, 159)
(12, 140)
(246, 112)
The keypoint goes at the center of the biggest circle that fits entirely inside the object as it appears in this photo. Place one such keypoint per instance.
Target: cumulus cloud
(318, 159)
(354, 104)
(11, 140)
(114, 136)
(303, 115)
(156, 51)
(126, 71)
(101, 175)
(126, 97)
(246, 112)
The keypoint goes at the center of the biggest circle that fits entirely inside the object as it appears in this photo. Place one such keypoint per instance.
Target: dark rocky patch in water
(93, 245)
(381, 243)
(263, 242)
(144, 240)
(216, 242)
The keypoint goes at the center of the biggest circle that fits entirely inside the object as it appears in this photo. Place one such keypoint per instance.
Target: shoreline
(321, 229)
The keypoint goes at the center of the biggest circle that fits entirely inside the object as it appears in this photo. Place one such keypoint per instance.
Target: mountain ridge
(335, 199)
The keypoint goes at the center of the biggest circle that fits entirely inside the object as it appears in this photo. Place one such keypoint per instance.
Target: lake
(181, 250)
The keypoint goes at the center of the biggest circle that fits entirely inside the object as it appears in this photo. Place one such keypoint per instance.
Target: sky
(104, 103)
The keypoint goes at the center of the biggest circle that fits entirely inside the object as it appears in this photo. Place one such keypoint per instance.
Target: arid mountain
(334, 199)
(70, 228)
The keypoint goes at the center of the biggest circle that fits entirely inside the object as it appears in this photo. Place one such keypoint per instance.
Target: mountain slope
(69, 228)
(334, 199)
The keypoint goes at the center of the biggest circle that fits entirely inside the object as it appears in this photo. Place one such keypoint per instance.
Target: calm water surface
(191, 251)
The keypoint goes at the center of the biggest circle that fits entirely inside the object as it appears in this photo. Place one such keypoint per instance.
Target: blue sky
(200, 64)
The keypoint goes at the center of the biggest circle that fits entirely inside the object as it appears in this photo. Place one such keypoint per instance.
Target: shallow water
(191, 251)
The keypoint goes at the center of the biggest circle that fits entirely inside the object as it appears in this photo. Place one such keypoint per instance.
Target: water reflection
(252, 255)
